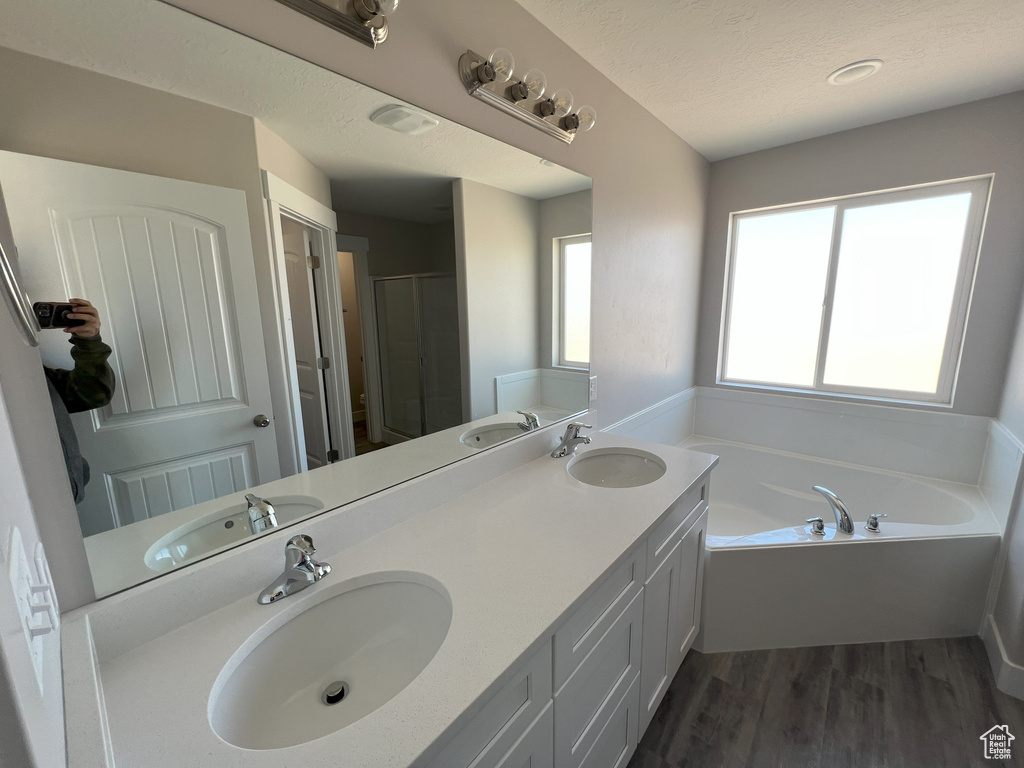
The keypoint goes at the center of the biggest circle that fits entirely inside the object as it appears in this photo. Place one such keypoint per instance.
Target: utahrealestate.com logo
(997, 742)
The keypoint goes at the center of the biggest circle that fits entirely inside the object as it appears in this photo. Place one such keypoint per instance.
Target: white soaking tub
(770, 583)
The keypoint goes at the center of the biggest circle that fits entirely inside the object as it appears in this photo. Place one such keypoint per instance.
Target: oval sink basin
(221, 529)
(491, 434)
(616, 467)
(331, 664)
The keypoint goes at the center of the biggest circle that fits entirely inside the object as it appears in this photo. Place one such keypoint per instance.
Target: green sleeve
(91, 383)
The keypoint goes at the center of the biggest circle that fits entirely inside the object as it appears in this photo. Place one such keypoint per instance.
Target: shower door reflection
(418, 346)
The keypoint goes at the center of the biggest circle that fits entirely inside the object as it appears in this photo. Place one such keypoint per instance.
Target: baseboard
(1009, 676)
(668, 422)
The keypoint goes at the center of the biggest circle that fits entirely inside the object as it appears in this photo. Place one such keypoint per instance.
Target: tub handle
(872, 523)
(817, 525)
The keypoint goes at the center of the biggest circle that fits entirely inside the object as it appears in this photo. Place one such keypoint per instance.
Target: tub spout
(843, 521)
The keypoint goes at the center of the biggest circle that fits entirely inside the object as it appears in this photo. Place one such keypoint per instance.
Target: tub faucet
(531, 423)
(261, 514)
(843, 521)
(300, 570)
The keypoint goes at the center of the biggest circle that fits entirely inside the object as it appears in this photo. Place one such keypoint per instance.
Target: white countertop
(515, 554)
(117, 557)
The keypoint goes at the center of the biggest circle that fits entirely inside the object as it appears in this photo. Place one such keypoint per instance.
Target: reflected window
(865, 295)
(574, 301)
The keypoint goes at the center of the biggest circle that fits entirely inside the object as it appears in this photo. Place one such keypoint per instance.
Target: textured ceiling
(321, 114)
(735, 76)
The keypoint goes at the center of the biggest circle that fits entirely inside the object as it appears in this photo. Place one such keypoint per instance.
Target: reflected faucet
(843, 521)
(261, 514)
(531, 423)
(571, 440)
(300, 570)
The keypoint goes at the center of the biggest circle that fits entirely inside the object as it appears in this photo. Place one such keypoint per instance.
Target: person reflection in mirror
(89, 385)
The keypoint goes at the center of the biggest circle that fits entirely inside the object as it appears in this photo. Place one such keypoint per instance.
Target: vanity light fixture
(486, 78)
(854, 72)
(363, 20)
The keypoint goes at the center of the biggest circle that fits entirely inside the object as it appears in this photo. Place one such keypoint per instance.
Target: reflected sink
(221, 529)
(491, 434)
(331, 664)
(616, 467)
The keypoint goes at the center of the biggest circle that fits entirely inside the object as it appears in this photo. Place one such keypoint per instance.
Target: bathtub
(770, 583)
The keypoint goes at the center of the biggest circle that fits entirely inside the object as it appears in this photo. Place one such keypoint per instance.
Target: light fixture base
(468, 67)
(371, 33)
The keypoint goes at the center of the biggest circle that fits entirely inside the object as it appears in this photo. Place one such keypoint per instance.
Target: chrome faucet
(872, 523)
(261, 514)
(300, 570)
(843, 521)
(571, 440)
(531, 423)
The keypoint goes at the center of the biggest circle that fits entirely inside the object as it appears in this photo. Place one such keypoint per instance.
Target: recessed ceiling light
(403, 119)
(851, 73)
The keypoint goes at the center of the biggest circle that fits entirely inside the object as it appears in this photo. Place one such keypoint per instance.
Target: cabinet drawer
(590, 695)
(535, 749)
(485, 739)
(580, 632)
(663, 538)
(618, 739)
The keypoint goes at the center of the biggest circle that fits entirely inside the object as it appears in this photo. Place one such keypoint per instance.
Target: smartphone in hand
(54, 314)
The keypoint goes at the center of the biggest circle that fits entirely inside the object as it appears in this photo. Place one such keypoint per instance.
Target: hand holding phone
(76, 316)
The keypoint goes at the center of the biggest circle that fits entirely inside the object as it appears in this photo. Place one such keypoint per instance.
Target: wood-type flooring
(914, 704)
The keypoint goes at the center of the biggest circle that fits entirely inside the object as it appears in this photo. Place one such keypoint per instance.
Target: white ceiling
(735, 76)
(321, 114)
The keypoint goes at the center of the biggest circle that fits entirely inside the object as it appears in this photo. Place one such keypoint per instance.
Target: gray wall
(399, 247)
(977, 138)
(649, 185)
(496, 235)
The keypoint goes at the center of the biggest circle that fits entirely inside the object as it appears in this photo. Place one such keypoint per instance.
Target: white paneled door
(169, 264)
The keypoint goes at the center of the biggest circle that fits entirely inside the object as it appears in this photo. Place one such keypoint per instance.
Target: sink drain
(334, 693)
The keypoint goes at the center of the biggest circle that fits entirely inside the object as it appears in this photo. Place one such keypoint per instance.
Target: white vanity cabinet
(608, 664)
(672, 595)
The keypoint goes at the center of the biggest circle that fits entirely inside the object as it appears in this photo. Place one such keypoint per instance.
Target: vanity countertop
(516, 554)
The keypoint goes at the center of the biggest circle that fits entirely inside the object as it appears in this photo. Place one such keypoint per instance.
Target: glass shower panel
(399, 355)
(439, 339)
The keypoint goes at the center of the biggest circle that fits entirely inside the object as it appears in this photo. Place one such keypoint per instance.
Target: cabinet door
(660, 637)
(685, 619)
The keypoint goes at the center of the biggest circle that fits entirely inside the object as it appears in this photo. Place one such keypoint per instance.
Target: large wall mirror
(312, 290)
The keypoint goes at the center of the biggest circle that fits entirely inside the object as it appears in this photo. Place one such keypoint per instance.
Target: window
(574, 301)
(865, 295)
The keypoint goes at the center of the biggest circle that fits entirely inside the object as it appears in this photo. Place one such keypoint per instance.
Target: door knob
(261, 420)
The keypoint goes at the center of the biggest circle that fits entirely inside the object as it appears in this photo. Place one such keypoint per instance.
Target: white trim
(359, 247)
(558, 358)
(287, 196)
(669, 421)
(284, 200)
(1008, 674)
(980, 188)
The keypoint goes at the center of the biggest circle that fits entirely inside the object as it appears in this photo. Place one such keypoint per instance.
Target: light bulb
(583, 120)
(498, 68)
(503, 64)
(387, 7)
(530, 87)
(561, 102)
(587, 117)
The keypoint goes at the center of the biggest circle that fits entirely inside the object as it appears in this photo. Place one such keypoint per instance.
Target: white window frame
(562, 242)
(980, 189)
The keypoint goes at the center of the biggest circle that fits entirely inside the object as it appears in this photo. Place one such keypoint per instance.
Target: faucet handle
(872, 523)
(575, 428)
(817, 525)
(302, 544)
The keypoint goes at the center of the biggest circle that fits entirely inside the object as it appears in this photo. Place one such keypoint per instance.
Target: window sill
(836, 396)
